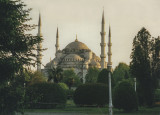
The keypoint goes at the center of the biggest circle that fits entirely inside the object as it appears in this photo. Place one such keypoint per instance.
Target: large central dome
(76, 45)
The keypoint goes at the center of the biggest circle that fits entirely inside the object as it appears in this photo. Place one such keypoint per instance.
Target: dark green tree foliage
(70, 78)
(157, 95)
(16, 50)
(103, 77)
(45, 96)
(32, 77)
(140, 66)
(126, 75)
(121, 72)
(93, 94)
(92, 75)
(16, 45)
(156, 61)
(11, 100)
(55, 74)
(124, 97)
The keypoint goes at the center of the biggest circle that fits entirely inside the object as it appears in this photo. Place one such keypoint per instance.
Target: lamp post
(110, 91)
(135, 84)
(109, 66)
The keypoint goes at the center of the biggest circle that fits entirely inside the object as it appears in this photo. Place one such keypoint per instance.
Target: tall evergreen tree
(141, 66)
(16, 52)
(156, 61)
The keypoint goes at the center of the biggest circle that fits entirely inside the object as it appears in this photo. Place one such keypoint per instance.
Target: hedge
(124, 97)
(45, 96)
(94, 94)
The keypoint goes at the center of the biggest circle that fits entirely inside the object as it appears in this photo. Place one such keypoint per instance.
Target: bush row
(91, 94)
(45, 95)
(96, 94)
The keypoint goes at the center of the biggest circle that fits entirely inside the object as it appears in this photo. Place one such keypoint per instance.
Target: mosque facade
(76, 55)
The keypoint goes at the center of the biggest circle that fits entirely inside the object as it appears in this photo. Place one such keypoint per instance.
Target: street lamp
(135, 84)
(110, 91)
(109, 67)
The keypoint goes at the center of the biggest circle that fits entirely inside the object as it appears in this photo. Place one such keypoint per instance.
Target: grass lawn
(71, 108)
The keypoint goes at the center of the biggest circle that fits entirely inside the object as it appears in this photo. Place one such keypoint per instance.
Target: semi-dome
(73, 57)
(94, 63)
(76, 45)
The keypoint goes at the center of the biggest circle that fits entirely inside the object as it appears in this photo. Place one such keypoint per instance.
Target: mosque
(76, 54)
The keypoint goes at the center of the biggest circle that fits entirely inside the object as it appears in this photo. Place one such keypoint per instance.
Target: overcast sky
(83, 17)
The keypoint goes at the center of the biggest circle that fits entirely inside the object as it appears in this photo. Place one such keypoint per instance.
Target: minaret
(39, 46)
(103, 44)
(109, 50)
(57, 41)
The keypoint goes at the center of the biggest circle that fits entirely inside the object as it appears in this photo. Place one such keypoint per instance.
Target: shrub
(91, 94)
(63, 86)
(45, 95)
(157, 95)
(124, 97)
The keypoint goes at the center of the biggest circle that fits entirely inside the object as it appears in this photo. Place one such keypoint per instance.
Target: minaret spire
(76, 39)
(57, 41)
(103, 19)
(39, 46)
(109, 50)
(103, 44)
(39, 25)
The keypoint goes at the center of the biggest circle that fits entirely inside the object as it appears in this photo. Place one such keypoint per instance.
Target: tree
(55, 74)
(141, 66)
(34, 77)
(92, 75)
(103, 77)
(17, 50)
(70, 78)
(121, 72)
(156, 61)
(124, 96)
(126, 75)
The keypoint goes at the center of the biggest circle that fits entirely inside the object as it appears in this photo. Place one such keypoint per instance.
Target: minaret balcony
(103, 33)
(103, 56)
(109, 44)
(103, 44)
(56, 45)
(109, 53)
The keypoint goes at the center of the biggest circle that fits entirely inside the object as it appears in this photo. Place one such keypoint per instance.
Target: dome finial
(76, 39)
